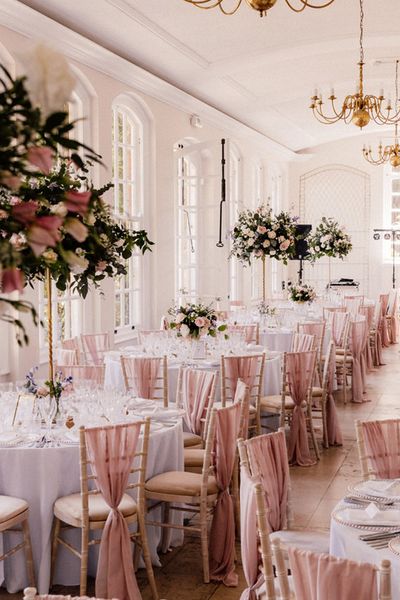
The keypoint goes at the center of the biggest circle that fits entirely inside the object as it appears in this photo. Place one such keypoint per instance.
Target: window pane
(117, 310)
(121, 198)
(120, 128)
(120, 162)
(396, 201)
(396, 185)
(127, 311)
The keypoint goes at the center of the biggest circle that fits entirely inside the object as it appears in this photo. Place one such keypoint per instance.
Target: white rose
(251, 234)
(49, 79)
(272, 252)
(266, 243)
(59, 209)
(180, 317)
(281, 239)
(271, 235)
(184, 330)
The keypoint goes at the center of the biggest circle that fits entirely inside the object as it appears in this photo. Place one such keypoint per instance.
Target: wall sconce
(195, 122)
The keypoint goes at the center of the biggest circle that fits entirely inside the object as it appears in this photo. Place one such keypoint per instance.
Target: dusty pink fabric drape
(71, 344)
(338, 325)
(269, 463)
(316, 329)
(248, 536)
(368, 313)
(325, 577)
(393, 311)
(241, 367)
(384, 300)
(302, 342)
(112, 450)
(353, 305)
(95, 345)
(222, 534)
(248, 331)
(357, 340)
(142, 374)
(382, 446)
(335, 436)
(59, 597)
(196, 388)
(300, 373)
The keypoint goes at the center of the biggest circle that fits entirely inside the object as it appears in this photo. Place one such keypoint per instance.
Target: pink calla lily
(12, 279)
(41, 157)
(44, 233)
(78, 202)
(25, 212)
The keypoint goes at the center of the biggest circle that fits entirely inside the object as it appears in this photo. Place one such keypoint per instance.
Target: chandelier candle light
(390, 153)
(358, 108)
(262, 6)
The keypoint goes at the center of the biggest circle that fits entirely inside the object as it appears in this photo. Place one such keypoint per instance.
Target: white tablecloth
(114, 378)
(344, 543)
(41, 475)
(277, 339)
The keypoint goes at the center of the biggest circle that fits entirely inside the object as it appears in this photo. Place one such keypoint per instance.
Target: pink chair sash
(300, 373)
(196, 388)
(357, 340)
(248, 536)
(338, 322)
(382, 445)
(96, 345)
(335, 436)
(316, 329)
(269, 463)
(142, 374)
(302, 342)
(353, 305)
(241, 367)
(71, 344)
(112, 450)
(322, 576)
(392, 311)
(222, 534)
(248, 331)
(384, 300)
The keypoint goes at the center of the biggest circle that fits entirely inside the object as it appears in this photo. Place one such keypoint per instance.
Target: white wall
(349, 154)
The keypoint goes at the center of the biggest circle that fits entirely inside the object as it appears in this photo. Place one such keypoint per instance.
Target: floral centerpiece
(195, 321)
(266, 310)
(53, 388)
(302, 293)
(329, 239)
(259, 233)
(52, 220)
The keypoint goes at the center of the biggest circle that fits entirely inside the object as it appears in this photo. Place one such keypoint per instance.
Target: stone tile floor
(316, 490)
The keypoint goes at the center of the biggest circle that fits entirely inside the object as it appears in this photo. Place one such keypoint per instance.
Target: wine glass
(48, 409)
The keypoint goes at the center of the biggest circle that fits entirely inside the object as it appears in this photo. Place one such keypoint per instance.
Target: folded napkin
(358, 516)
(385, 488)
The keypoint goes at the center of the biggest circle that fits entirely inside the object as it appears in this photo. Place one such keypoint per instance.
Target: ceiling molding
(155, 29)
(31, 23)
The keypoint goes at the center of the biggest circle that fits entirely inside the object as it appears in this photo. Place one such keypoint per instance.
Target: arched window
(127, 173)
(187, 177)
(67, 306)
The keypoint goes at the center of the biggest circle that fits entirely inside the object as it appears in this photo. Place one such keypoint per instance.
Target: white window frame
(234, 187)
(390, 175)
(129, 294)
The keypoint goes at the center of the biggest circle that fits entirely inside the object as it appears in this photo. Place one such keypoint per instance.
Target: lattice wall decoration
(342, 193)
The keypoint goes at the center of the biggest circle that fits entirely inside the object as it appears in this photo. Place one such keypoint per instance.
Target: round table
(345, 543)
(276, 339)
(41, 475)
(114, 378)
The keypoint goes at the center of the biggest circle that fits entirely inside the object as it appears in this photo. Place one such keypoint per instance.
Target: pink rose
(12, 279)
(285, 245)
(25, 212)
(13, 182)
(78, 230)
(41, 157)
(200, 322)
(43, 233)
(78, 202)
(261, 229)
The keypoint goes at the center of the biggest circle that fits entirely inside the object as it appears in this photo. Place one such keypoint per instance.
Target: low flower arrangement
(329, 239)
(53, 388)
(259, 233)
(266, 310)
(195, 321)
(302, 293)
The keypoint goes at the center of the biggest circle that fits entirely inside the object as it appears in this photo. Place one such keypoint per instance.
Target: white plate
(394, 545)
(357, 517)
(377, 488)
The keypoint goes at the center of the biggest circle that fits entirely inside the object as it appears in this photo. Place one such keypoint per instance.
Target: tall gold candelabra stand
(50, 322)
(263, 277)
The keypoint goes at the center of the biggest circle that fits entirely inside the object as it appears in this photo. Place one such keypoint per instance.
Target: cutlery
(361, 501)
(370, 537)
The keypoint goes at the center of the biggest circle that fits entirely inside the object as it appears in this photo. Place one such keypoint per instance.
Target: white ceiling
(259, 71)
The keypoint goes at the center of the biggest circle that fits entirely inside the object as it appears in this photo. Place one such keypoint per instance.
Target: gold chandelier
(390, 153)
(262, 6)
(358, 108)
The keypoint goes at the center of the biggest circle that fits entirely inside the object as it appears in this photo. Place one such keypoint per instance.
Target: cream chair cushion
(191, 439)
(340, 359)
(275, 402)
(69, 508)
(194, 457)
(179, 483)
(11, 507)
(311, 539)
(317, 392)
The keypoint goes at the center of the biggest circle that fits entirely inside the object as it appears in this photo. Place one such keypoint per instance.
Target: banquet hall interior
(199, 316)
